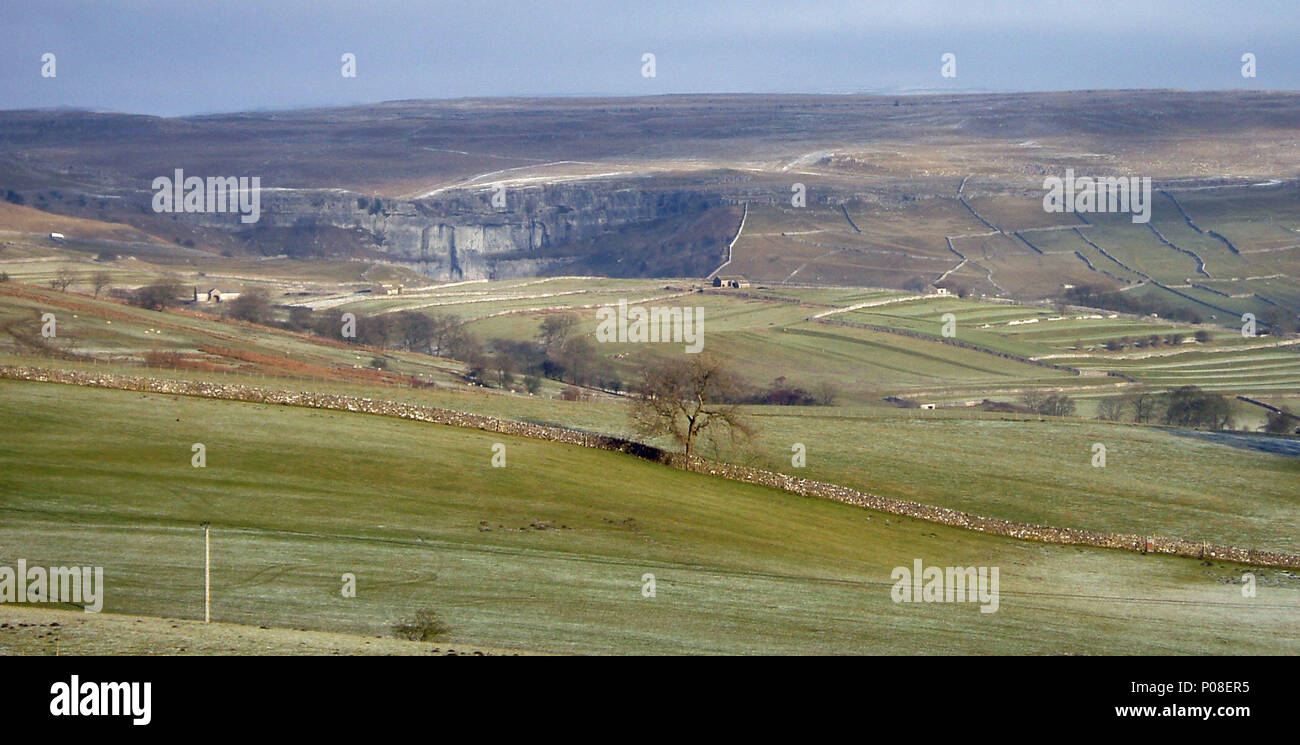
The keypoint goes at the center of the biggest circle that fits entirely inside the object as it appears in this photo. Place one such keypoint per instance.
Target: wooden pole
(207, 573)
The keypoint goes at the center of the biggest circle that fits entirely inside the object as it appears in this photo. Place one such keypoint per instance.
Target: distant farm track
(745, 474)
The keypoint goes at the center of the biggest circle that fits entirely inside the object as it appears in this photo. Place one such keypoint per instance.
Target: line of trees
(65, 278)
(1276, 321)
(1187, 406)
(1154, 340)
(442, 334)
(556, 352)
(1055, 404)
(1095, 296)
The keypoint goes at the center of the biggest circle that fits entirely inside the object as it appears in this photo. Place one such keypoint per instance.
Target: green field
(1033, 254)
(300, 497)
(1039, 470)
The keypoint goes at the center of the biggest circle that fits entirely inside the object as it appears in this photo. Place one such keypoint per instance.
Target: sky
(182, 57)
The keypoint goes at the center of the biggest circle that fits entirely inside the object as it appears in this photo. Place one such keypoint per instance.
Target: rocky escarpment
(463, 234)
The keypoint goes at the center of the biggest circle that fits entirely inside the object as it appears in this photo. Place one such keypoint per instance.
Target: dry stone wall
(792, 484)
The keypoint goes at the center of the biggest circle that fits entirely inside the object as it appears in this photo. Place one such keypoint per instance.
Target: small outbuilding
(734, 281)
(214, 295)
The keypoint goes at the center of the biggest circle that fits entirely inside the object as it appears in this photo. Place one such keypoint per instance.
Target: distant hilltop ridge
(650, 186)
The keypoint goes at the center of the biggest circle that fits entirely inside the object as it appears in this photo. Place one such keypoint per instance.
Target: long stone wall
(948, 340)
(792, 484)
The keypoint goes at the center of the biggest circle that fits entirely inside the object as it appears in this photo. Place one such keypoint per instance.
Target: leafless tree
(556, 330)
(1144, 404)
(447, 334)
(100, 280)
(687, 398)
(62, 279)
(825, 393)
(1110, 409)
(1034, 399)
(252, 305)
(1057, 405)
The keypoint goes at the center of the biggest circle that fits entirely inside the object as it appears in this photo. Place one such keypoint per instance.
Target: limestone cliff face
(460, 235)
(454, 235)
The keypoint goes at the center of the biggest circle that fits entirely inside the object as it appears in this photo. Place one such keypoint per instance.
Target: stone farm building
(730, 280)
(214, 295)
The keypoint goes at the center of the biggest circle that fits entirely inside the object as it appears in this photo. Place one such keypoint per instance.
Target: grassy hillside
(539, 555)
(39, 630)
(121, 337)
(1039, 470)
(1215, 251)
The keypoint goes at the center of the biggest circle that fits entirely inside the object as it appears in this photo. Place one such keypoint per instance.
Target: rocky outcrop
(461, 235)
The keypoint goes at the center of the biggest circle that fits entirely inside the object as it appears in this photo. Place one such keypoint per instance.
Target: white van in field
(56, 236)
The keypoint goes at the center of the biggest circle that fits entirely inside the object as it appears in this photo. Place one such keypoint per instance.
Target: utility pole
(207, 572)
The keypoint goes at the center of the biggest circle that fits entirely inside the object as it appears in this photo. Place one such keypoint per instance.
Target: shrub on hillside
(916, 284)
(252, 305)
(1282, 422)
(164, 359)
(426, 626)
(532, 383)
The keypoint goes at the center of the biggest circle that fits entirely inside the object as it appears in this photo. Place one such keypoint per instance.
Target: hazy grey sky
(182, 57)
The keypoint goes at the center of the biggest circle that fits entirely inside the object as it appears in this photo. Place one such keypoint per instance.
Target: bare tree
(825, 393)
(1057, 405)
(253, 305)
(556, 330)
(1143, 404)
(1034, 399)
(1110, 409)
(447, 334)
(100, 280)
(415, 329)
(62, 279)
(427, 626)
(688, 398)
